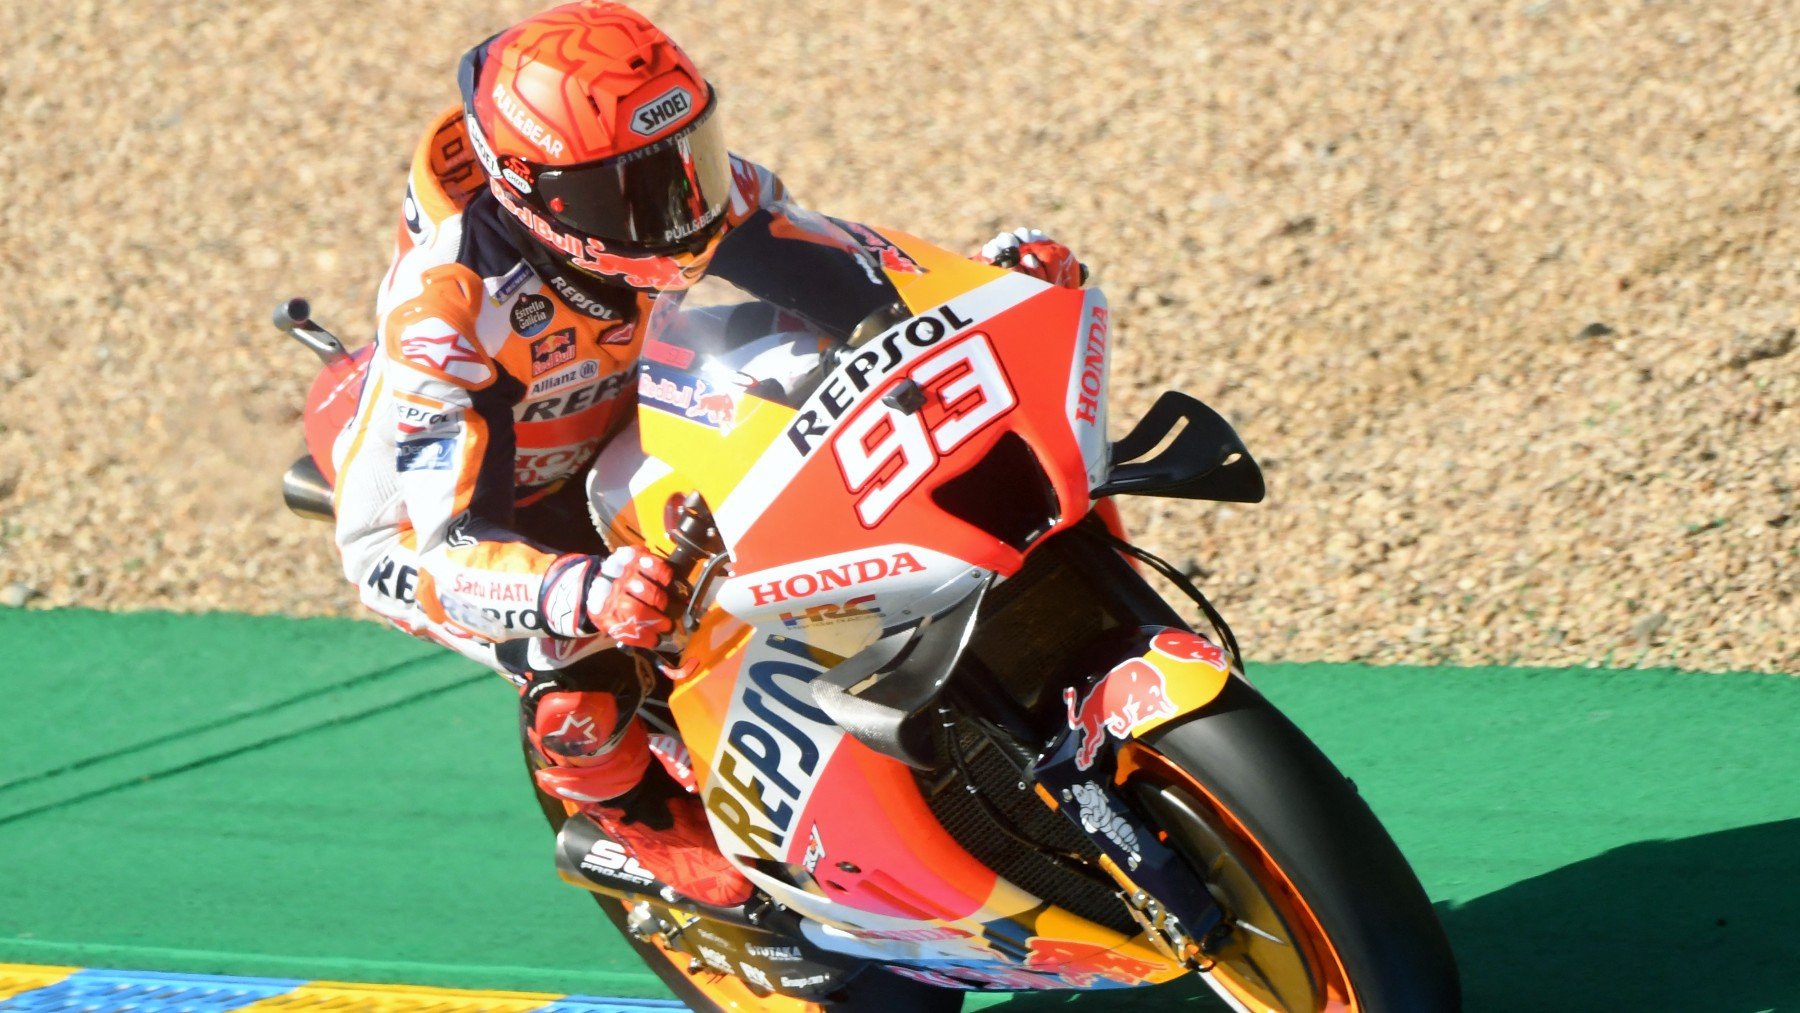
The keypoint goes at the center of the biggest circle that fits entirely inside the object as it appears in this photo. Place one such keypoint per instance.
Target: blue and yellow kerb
(71, 989)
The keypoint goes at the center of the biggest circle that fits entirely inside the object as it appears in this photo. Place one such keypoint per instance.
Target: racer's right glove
(623, 597)
(1029, 251)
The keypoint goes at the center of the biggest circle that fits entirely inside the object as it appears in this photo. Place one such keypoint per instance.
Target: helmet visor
(660, 197)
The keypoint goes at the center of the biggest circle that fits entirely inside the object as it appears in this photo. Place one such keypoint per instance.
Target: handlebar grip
(294, 316)
(295, 312)
(691, 533)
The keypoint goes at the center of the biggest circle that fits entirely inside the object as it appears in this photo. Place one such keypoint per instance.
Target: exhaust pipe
(305, 491)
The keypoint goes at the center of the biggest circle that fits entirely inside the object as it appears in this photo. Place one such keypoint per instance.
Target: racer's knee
(587, 734)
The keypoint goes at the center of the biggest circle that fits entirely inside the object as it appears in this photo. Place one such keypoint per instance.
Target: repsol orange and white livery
(913, 716)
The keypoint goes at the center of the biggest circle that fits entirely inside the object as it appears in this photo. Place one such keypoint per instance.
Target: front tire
(1329, 916)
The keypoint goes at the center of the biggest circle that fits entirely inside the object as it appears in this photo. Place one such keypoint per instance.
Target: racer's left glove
(632, 610)
(1029, 251)
(624, 596)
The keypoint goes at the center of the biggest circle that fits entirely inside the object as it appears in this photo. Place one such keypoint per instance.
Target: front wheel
(1322, 913)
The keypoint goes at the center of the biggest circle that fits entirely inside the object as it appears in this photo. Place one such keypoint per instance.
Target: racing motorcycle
(936, 707)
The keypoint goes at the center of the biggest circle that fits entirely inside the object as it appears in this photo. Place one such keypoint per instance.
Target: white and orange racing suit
(489, 392)
(459, 501)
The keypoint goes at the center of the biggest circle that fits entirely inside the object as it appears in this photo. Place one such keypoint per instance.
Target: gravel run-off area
(1503, 296)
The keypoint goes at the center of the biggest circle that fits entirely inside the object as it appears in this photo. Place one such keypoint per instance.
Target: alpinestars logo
(576, 736)
(439, 351)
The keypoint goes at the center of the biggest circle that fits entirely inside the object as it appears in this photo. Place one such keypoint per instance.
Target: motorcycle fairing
(787, 790)
(1049, 950)
(846, 422)
(839, 834)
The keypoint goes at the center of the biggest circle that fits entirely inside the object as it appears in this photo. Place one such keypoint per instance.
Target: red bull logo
(717, 408)
(1136, 692)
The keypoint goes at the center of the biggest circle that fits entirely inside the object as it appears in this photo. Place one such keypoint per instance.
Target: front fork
(1158, 675)
(1143, 675)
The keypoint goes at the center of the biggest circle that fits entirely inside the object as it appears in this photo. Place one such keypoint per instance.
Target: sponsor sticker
(780, 954)
(809, 981)
(416, 415)
(510, 284)
(607, 858)
(516, 172)
(1098, 816)
(1093, 369)
(446, 352)
(483, 153)
(686, 395)
(585, 370)
(393, 580)
(860, 607)
(755, 975)
(774, 742)
(544, 465)
(579, 399)
(872, 364)
(655, 116)
(552, 350)
(531, 314)
(1130, 695)
(496, 589)
(847, 574)
(1088, 964)
(428, 454)
(522, 121)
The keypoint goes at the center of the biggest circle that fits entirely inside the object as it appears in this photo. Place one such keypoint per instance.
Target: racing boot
(664, 827)
(616, 782)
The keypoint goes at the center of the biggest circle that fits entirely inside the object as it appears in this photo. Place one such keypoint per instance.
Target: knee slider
(572, 726)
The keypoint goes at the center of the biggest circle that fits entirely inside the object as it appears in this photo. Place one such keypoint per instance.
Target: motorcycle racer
(583, 172)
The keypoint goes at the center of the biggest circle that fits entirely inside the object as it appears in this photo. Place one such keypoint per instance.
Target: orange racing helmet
(599, 139)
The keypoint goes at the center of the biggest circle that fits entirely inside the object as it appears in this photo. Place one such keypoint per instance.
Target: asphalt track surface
(294, 800)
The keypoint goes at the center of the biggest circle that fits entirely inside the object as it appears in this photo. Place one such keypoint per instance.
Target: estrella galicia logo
(425, 455)
(659, 112)
(531, 314)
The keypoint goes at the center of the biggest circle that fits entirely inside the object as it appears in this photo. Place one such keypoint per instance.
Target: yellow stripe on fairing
(719, 459)
(945, 277)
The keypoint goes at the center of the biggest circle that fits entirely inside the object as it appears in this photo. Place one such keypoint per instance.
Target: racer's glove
(623, 597)
(1029, 251)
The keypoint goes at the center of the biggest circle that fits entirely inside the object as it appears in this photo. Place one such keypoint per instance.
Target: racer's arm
(451, 411)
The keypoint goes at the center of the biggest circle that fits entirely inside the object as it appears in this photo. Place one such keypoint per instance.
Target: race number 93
(885, 452)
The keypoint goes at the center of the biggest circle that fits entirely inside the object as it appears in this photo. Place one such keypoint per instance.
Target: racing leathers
(459, 500)
(489, 393)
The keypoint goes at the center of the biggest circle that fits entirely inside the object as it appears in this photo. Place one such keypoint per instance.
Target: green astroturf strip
(321, 798)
